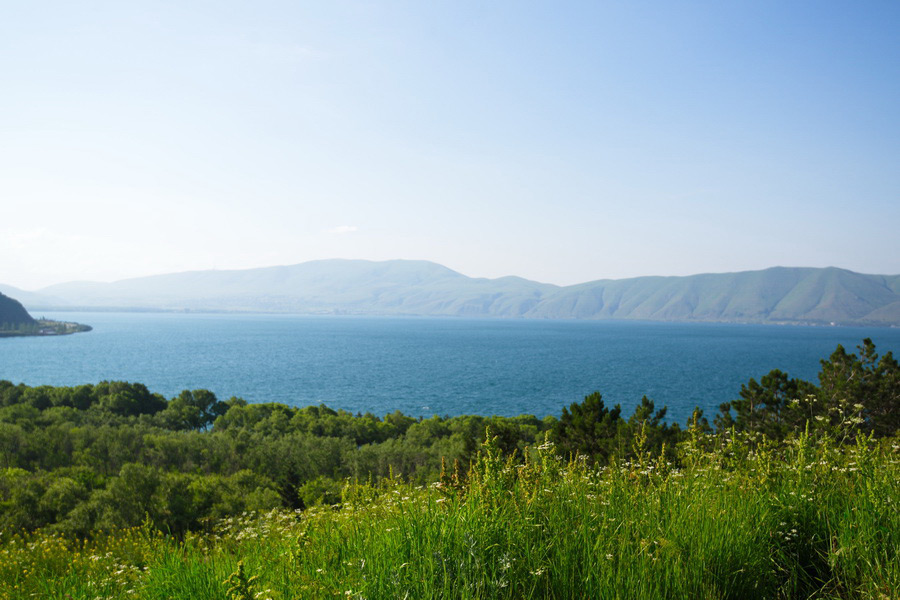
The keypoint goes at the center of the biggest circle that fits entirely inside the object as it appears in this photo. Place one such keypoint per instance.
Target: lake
(428, 366)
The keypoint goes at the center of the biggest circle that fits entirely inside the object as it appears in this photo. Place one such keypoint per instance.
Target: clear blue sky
(562, 142)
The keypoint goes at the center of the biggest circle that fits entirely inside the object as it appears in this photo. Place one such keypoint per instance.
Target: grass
(736, 520)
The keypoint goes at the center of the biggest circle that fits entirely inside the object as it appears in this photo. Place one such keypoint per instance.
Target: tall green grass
(738, 519)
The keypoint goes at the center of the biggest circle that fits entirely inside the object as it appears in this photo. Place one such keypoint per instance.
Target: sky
(558, 141)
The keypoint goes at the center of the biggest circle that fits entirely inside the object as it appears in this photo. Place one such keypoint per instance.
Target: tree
(862, 388)
(195, 409)
(647, 423)
(767, 406)
(128, 399)
(588, 428)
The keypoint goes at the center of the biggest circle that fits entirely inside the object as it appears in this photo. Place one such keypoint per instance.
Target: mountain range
(401, 287)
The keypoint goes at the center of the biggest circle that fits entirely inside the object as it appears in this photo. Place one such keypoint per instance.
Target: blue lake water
(427, 366)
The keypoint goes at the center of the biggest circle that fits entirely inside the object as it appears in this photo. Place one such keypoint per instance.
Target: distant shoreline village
(16, 322)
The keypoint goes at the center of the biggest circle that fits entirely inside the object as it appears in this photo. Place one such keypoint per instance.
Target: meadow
(740, 518)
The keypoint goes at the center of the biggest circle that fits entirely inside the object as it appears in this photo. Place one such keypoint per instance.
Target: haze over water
(427, 366)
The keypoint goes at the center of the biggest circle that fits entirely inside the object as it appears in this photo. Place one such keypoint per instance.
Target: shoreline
(48, 328)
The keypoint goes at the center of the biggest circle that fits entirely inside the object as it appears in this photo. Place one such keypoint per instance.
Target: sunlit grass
(735, 521)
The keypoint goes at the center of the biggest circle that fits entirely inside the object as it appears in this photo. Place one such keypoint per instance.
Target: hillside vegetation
(733, 519)
(12, 314)
(776, 295)
(114, 454)
(112, 491)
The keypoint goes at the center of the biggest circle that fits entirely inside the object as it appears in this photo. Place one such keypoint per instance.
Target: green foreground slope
(737, 520)
(112, 491)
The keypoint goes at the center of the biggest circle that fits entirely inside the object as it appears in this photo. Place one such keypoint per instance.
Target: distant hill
(399, 287)
(31, 299)
(328, 286)
(12, 313)
(776, 295)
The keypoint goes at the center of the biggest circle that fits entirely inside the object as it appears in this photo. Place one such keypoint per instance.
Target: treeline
(9, 328)
(856, 393)
(110, 455)
(79, 459)
(41, 327)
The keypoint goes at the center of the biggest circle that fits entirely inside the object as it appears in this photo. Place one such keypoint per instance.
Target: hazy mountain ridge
(399, 287)
(779, 294)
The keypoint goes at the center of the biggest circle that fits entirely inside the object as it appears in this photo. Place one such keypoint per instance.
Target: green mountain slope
(779, 294)
(12, 313)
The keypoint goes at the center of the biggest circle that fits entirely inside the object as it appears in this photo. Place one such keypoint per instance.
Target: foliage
(863, 387)
(768, 406)
(588, 428)
(856, 394)
(240, 586)
(78, 460)
(802, 519)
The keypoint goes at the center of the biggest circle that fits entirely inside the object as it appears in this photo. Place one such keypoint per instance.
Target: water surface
(426, 366)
